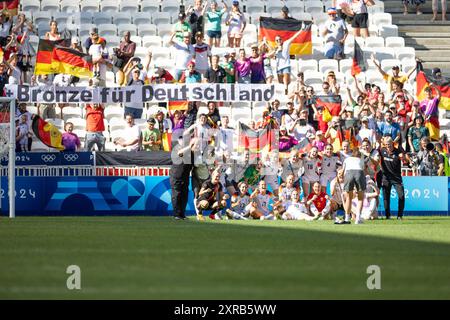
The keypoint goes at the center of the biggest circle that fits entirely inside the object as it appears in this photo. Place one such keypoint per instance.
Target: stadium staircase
(431, 40)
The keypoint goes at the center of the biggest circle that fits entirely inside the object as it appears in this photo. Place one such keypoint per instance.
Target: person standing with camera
(391, 167)
(432, 163)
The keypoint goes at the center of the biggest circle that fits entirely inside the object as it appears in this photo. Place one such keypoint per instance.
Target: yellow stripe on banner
(297, 48)
(72, 70)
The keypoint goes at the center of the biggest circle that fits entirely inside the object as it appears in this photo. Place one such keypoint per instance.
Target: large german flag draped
(11, 6)
(423, 81)
(47, 133)
(331, 104)
(71, 61)
(54, 57)
(286, 28)
(256, 141)
(359, 63)
(44, 56)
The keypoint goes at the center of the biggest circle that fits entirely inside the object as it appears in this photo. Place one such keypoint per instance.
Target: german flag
(359, 63)
(44, 56)
(47, 133)
(11, 6)
(178, 105)
(71, 61)
(331, 103)
(256, 141)
(423, 81)
(286, 28)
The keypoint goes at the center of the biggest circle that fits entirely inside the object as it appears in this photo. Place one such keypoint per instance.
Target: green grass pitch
(159, 258)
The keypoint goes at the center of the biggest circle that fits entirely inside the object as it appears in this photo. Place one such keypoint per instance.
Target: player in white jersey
(259, 207)
(346, 151)
(293, 165)
(296, 210)
(312, 164)
(270, 171)
(330, 165)
(286, 189)
(239, 203)
(337, 195)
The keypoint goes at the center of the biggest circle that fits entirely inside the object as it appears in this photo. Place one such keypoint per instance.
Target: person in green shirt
(151, 137)
(228, 66)
(181, 27)
(214, 23)
(416, 133)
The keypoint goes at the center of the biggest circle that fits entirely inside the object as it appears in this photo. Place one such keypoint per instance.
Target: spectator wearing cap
(213, 26)
(125, 51)
(135, 108)
(131, 135)
(434, 6)
(181, 27)
(160, 75)
(366, 133)
(93, 36)
(76, 44)
(228, 66)
(236, 23)
(395, 76)
(191, 75)
(215, 74)
(151, 137)
(335, 32)
(416, 133)
(436, 76)
(334, 133)
(202, 54)
(53, 34)
(195, 16)
(184, 53)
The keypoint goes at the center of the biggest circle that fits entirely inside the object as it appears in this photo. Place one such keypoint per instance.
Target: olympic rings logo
(48, 157)
(71, 157)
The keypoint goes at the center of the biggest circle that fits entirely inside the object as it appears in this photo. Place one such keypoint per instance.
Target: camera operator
(125, 51)
(432, 163)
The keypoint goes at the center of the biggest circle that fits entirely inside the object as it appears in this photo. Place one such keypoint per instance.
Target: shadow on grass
(154, 258)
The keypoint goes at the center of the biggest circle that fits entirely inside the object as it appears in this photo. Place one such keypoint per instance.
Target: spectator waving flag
(47, 133)
(423, 81)
(286, 28)
(256, 141)
(331, 105)
(11, 6)
(359, 63)
(44, 56)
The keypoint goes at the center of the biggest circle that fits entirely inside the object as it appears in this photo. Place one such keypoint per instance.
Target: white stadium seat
(255, 15)
(373, 76)
(164, 30)
(380, 19)
(313, 77)
(151, 41)
(141, 18)
(89, 6)
(102, 18)
(137, 40)
(113, 112)
(78, 123)
(141, 52)
(50, 5)
(307, 65)
(387, 64)
(84, 30)
(388, 31)
(345, 65)
(41, 17)
(105, 30)
(62, 18)
(170, 6)
(304, 16)
(253, 6)
(274, 8)
(405, 53)
(326, 65)
(116, 124)
(129, 6)
(70, 6)
(109, 6)
(313, 7)
(147, 30)
(82, 18)
(382, 53)
(149, 6)
(122, 18)
(43, 28)
(395, 42)
(295, 6)
(161, 17)
(30, 5)
(374, 42)
(71, 112)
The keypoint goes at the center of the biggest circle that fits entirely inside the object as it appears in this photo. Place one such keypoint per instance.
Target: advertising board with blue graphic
(58, 196)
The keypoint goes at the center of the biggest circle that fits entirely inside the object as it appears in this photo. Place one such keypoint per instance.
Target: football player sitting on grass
(295, 209)
(258, 207)
(239, 203)
(319, 202)
(211, 197)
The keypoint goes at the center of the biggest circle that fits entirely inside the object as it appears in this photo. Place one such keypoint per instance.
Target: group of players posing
(302, 193)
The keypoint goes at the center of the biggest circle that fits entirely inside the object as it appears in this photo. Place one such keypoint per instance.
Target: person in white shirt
(366, 133)
(202, 54)
(330, 166)
(355, 180)
(335, 32)
(283, 60)
(184, 53)
(295, 209)
(225, 137)
(98, 52)
(131, 135)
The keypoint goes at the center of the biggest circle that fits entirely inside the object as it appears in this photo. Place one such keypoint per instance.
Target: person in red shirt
(403, 106)
(94, 127)
(161, 75)
(318, 202)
